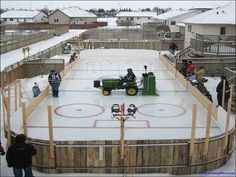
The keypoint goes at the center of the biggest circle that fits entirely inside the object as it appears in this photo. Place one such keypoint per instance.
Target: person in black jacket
(130, 76)
(2, 152)
(54, 80)
(19, 156)
(183, 69)
(173, 48)
(219, 90)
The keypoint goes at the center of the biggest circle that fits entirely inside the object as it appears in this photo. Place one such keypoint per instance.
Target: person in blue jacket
(54, 80)
(36, 90)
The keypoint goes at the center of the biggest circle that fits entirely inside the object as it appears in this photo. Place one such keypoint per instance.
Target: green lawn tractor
(113, 84)
(147, 85)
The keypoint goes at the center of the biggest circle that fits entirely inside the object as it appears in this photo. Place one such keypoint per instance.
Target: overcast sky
(52, 4)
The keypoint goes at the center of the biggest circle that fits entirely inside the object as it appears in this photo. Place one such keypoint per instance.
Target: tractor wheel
(106, 92)
(131, 91)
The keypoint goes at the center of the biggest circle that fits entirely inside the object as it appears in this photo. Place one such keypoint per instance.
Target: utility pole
(118, 112)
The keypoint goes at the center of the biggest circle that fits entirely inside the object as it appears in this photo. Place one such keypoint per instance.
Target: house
(23, 16)
(174, 17)
(219, 21)
(134, 18)
(72, 15)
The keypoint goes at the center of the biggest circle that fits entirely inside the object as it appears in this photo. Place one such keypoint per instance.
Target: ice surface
(82, 113)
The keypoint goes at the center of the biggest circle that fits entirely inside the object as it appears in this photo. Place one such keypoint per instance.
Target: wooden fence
(133, 44)
(22, 41)
(33, 65)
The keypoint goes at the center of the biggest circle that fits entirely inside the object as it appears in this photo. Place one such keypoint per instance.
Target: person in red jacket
(191, 69)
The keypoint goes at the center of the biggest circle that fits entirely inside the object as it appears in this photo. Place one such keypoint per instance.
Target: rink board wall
(141, 156)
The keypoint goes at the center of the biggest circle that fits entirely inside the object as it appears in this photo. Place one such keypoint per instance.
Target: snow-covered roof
(222, 15)
(136, 14)
(76, 12)
(20, 14)
(172, 13)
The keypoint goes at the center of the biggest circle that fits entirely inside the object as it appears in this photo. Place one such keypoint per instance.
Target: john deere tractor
(113, 84)
(147, 86)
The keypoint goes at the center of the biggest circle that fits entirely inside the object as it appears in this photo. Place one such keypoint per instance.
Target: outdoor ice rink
(81, 112)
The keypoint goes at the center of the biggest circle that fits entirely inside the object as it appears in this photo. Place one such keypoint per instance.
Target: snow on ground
(17, 55)
(110, 21)
(65, 57)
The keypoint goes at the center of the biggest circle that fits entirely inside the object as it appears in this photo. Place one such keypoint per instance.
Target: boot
(56, 93)
(53, 93)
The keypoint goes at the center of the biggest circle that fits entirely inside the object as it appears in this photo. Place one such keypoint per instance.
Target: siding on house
(210, 22)
(72, 15)
(58, 18)
(207, 30)
(22, 16)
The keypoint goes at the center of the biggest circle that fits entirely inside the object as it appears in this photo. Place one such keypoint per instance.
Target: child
(36, 90)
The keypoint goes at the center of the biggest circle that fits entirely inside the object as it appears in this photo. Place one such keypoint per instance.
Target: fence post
(223, 95)
(4, 113)
(227, 124)
(9, 98)
(194, 115)
(15, 83)
(20, 94)
(24, 117)
(8, 118)
(206, 145)
(50, 129)
(231, 91)
(218, 45)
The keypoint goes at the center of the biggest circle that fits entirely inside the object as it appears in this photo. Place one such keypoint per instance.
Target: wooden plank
(145, 154)
(208, 124)
(35, 103)
(108, 156)
(50, 129)
(227, 124)
(194, 115)
(4, 113)
(115, 156)
(9, 100)
(231, 91)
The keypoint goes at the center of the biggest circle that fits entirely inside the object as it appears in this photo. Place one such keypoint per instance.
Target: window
(137, 18)
(222, 30)
(127, 18)
(172, 23)
(131, 18)
(189, 28)
(119, 18)
(11, 19)
(149, 18)
(56, 20)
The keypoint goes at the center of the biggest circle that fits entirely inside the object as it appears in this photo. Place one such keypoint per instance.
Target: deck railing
(213, 44)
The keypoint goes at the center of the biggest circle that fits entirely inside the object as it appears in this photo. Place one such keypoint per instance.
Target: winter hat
(20, 138)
